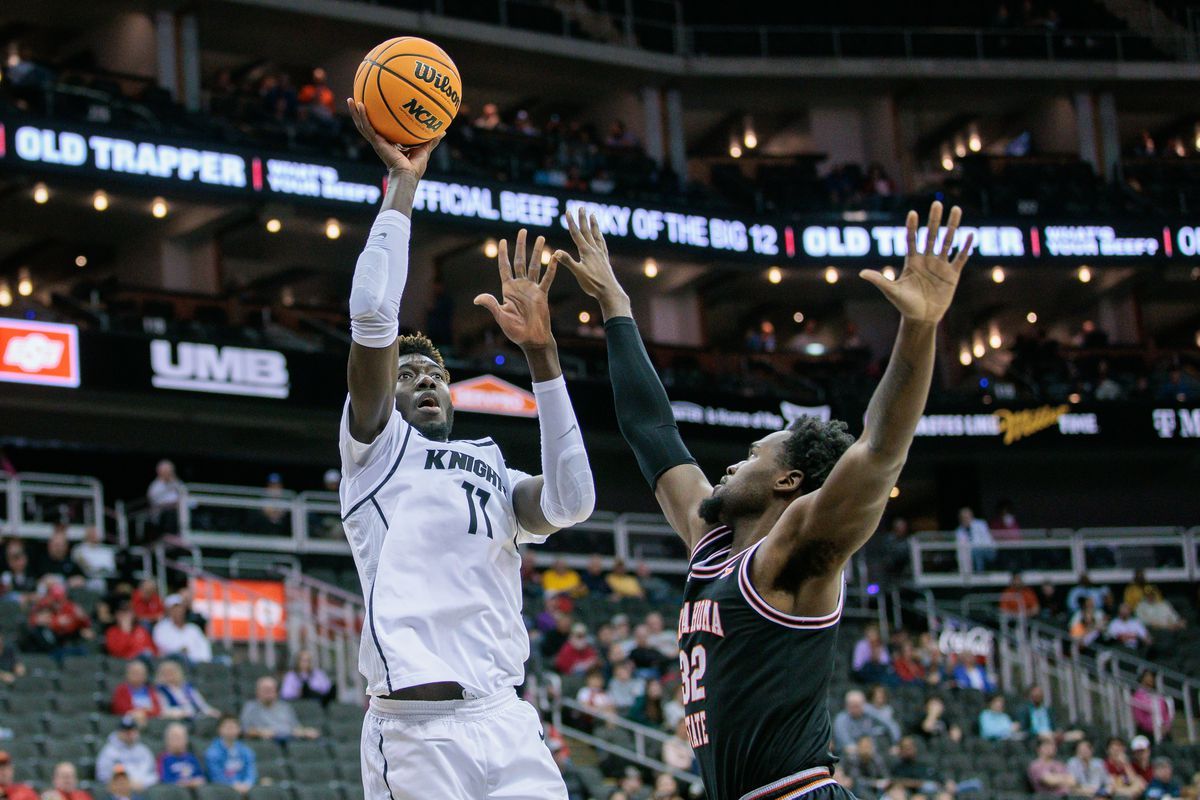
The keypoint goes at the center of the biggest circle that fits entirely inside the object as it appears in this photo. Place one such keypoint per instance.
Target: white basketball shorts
(491, 748)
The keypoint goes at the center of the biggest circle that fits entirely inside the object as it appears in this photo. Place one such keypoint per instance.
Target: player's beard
(711, 508)
(437, 431)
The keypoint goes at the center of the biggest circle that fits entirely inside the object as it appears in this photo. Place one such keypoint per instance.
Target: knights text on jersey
(434, 536)
(755, 680)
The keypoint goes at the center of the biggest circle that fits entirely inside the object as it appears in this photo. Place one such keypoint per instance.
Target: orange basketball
(411, 89)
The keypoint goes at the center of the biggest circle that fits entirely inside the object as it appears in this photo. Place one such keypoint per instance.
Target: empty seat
(212, 792)
(315, 792)
(265, 749)
(269, 793)
(167, 792)
(352, 790)
(312, 772)
(275, 769)
(58, 749)
(310, 712)
(307, 750)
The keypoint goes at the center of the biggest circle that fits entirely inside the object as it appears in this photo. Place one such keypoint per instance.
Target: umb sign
(488, 394)
(203, 367)
(42, 353)
(241, 610)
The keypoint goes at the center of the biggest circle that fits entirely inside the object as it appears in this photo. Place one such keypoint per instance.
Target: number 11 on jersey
(692, 664)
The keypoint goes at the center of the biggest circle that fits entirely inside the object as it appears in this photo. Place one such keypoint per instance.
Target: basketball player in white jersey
(434, 524)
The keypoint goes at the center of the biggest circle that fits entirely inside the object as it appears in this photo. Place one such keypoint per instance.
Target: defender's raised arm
(643, 409)
(379, 278)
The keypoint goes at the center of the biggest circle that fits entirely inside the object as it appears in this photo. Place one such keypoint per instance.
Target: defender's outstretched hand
(593, 270)
(395, 158)
(925, 288)
(524, 315)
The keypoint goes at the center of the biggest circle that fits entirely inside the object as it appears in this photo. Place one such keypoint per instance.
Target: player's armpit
(679, 492)
(805, 553)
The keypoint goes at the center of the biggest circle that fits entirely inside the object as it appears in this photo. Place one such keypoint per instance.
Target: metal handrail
(640, 734)
(16, 487)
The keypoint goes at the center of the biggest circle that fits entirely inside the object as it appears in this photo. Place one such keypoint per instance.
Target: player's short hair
(813, 447)
(419, 344)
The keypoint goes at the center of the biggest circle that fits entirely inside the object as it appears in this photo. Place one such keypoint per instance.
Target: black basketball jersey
(755, 680)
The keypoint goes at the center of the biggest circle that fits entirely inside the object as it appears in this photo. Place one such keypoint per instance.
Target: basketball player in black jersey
(769, 543)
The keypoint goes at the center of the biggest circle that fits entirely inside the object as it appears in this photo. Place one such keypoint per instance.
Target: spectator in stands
(620, 136)
(970, 672)
(1125, 782)
(317, 95)
(490, 119)
(1152, 712)
(577, 655)
(177, 765)
(871, 662)
(677, 751)
(275, 513)
(594, 577)
(147, 604)
(645, 656)
(1037, 717)
(880, 706)
(977, 536)
(18, 582)
(120, 786)
(178, 698)
(1087, 624)
(625, 688)
(163, 495)
(9, 788)
(268, 717)
(11, 666)
(1004, 525)
(657, 590)
(230, 762)
(994, 722)
(907, 666)
(666, 787)
(1091, 778)
(632, 784)
(561, 579)
(592, 695)
(56, 624)
(175, 636)
(661, 638)
(126, 639)
(1018, 599)
(1140, 759)
(1157, 614)
(910, 773)
(1162, 781)
(855, 721)
(929, 654)
(1047, 774)
(124, 748)
(1128, 630)
(1048, 600)
(97, 561)
(136, 697)
(306, 681)
(865, 766)
(576, 785)
(648, 708)
(622, 584)
(934, 722)
(57, 559)
(675, 709)
(1101, 595)
(64, 784)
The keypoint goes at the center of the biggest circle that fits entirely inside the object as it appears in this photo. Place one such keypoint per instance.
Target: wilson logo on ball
(422, 115)
(443, 83)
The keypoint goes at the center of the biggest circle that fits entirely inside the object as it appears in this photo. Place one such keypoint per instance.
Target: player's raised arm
(564, 494)
(841, 515)
(643, 409)
(379, 278)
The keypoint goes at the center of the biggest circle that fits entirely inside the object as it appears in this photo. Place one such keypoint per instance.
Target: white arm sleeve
(568, 493)
(379, 278)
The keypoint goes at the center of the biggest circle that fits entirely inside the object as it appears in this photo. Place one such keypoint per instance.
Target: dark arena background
(182, 202)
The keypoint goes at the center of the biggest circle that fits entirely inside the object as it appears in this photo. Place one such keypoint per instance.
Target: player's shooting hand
(593, 270)
(925, 288)
(414, 160)
(524, 314)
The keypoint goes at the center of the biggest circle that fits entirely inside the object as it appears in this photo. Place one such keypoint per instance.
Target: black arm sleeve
(643, 410)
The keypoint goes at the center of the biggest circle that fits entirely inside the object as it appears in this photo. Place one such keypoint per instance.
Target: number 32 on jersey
(692, 664)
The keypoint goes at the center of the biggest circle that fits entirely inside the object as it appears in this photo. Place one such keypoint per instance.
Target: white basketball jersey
(435, 541)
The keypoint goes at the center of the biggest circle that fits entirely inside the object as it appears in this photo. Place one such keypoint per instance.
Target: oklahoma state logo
(422, 115)
(439, 81)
